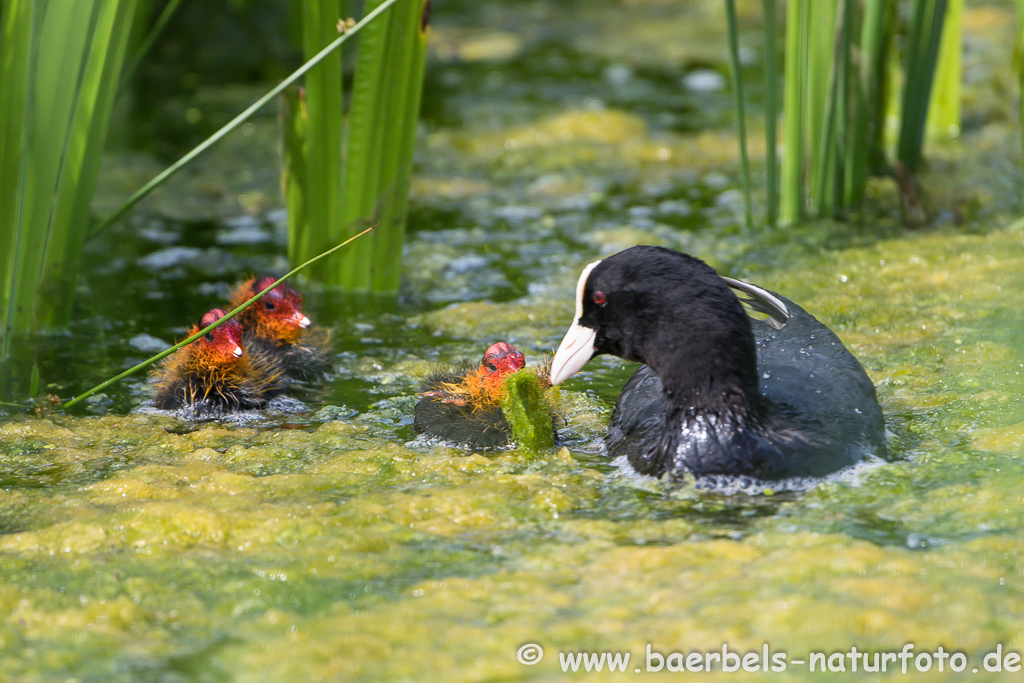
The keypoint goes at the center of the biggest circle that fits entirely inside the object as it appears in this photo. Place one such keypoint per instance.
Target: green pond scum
(325, 543)
(527, 410)
(134, 549)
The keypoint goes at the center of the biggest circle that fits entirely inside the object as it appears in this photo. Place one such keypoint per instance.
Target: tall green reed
(741, 116)
(771, 114)
(944, 111)
(924, 38)
(363, 163)
(1018, 53)
(59, 64)
(321, 142)
(836, 96)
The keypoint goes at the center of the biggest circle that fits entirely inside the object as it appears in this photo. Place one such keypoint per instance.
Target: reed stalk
(839, 71)
(294, 184)
(321, 148)
(868, 93)
(792, 195)
(741, 116)
(771, 114)
(59, 63)
(1019, 57)
(365, 179)
(923, 46)
(819, 96)
(943, 120)
(410, 64)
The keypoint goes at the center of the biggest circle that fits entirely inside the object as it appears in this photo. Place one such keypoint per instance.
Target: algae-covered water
(320, 541)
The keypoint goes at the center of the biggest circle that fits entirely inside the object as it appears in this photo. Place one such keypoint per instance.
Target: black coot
(720, 394)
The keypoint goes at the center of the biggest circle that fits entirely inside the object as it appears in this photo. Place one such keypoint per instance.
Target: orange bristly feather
(218, 373)
(480, 390)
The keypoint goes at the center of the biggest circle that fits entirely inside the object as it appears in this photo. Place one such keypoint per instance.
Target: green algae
(337, 552)
(330, 553)
(528, 412)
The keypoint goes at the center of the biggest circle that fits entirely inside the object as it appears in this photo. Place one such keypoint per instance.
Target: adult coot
(719, 394)
(276, 326)
(214, 375)
(462, 404)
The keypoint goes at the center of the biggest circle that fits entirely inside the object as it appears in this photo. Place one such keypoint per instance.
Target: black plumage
(719, 394)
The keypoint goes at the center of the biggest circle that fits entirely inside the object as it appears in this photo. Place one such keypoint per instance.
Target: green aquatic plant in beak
(527, 409)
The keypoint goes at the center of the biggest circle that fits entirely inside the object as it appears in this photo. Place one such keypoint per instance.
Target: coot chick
(276, 326)
(463, 404)
(214, 375)
(719, 394)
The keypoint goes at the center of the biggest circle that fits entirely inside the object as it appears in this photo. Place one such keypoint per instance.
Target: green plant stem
(383, 114)
(147, 43)
(367, 125)
(741, 117)
(294, 120)
(1019, 54)
(238, 120)
(59, 62)
(819, 96)
(413, 24)
(17, 19)
(868, 112)
(943, 122)
(69, 218)
(771, 115)
(827, 170)
(209, 328)
(925, 37)
(793, 114)
(322, 147)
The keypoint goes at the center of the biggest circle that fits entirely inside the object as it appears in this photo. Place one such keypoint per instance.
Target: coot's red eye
(599, 298)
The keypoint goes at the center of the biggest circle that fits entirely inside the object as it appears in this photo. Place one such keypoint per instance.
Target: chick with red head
(216, 374)
(463, 404)
(276, 325)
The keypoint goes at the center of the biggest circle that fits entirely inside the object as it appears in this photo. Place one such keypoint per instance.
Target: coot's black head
(670, 311)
